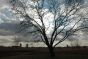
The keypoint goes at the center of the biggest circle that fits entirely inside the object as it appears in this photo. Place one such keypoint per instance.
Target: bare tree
(36, 16)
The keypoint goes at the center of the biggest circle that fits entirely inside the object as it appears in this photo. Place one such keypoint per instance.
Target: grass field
(42, 53)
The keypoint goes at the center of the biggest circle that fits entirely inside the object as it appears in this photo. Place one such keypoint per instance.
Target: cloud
(4, 3)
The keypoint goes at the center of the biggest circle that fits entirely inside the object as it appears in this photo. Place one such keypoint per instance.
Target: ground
(42, 53)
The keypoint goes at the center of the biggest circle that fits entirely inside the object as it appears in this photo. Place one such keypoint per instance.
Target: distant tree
(20, 45)
(49, 19)
(26, 45)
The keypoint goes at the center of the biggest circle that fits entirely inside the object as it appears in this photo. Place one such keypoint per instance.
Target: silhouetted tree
(26, 45)
(62, 19)
(20, 45)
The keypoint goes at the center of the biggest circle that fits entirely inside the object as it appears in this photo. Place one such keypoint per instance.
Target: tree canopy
(50, 19)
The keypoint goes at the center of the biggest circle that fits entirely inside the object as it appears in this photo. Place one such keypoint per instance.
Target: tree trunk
(51, 51)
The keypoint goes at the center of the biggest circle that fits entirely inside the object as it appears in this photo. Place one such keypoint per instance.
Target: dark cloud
(7, 28)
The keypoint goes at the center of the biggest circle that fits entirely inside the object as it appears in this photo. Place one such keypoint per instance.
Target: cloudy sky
(7, 27)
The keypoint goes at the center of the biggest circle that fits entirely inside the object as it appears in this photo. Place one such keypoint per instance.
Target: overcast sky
(4, 3)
